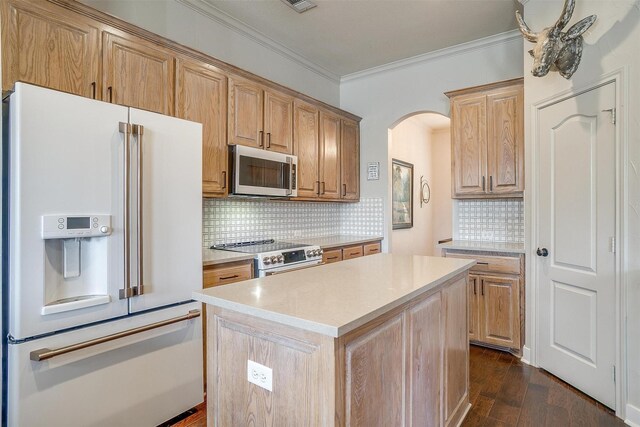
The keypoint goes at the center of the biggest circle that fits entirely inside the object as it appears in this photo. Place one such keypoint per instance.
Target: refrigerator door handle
(127, 292)
(138, 130)
(45, 353)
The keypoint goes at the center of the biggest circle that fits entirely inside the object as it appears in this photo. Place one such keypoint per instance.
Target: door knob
(542, 252)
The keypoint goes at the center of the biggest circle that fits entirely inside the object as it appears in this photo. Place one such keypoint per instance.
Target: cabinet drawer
(372, 248)
(491, 264)
(352, 252)
(330, 256)
(225, 274)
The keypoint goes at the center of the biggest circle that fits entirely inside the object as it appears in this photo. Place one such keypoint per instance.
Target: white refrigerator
(103, 215)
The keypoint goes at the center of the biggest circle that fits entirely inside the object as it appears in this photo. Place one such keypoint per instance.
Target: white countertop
(337, 240)
(336, 298)
(214, 256)
(471, 245)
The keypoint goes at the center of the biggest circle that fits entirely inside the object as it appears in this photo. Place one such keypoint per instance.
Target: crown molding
(253, 34)
(436, 54)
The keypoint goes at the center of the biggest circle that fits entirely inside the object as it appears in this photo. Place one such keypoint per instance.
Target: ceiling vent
(300, 5)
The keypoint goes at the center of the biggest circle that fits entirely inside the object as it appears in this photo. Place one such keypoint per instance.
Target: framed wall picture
(401, 194)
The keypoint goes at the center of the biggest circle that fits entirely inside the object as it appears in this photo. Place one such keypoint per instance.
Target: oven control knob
(280, 258)
(266, 260)
(316, 252)
(274, 259)
(309, 253)
(320, 252)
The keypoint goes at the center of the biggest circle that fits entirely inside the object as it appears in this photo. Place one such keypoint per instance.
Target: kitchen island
(373, 341)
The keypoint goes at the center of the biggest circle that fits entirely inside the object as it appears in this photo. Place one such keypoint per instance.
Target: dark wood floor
(506, 392)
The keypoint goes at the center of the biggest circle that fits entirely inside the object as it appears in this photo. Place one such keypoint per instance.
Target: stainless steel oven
(273, 257)
(258, 172)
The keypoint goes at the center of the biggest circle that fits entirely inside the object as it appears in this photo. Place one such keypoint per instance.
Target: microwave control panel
(74, 226)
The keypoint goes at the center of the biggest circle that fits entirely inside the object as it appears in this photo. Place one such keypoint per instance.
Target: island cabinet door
(456, 352)
(374, 375)
(424, 362)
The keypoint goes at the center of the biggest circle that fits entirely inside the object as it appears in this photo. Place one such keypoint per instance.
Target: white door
(65, 159)
(576, 225)
(171, 204)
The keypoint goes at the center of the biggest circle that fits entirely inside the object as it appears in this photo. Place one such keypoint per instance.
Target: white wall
(429, 150)
(383, 98)
(610, 45)
(440, 184)
(411, 142)
(178, 22)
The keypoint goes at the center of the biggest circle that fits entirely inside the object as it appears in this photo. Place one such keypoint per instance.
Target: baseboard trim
(526, 355)
(632, 414)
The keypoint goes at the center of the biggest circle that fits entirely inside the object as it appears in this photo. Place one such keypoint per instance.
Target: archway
(422, 139)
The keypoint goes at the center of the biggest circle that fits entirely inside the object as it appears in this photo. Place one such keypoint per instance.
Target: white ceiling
(347, 36)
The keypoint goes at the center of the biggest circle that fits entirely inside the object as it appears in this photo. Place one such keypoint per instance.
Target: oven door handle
(273, 273)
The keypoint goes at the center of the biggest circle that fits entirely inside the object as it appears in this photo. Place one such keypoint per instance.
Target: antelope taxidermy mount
(554, 48)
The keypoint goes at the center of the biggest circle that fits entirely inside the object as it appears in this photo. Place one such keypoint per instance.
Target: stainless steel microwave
(258, 172)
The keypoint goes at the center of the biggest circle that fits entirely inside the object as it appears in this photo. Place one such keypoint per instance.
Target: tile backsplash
(497, 220)
(236, 220)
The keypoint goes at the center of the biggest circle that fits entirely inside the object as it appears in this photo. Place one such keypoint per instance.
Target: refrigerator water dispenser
(75, 273)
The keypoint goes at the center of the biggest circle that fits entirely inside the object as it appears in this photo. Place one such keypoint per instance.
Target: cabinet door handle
(482, 263)
(229, 277)
(332, 257)
(475, 283)
(490, 183)
(322, 183)
(224, 179)
(482, 287)
(344, 190)
(483, 183)
(110, 94)
(93, 90)
(261, 139)
(318, 190)
(268, 139)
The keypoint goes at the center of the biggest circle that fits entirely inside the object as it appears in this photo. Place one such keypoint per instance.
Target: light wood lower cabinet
(495, 294)
(352, 252)
(409, 366)
(334, 255)
(349, 252)
(372, 248)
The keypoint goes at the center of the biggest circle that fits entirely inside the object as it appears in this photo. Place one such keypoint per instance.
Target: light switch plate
(260, 375)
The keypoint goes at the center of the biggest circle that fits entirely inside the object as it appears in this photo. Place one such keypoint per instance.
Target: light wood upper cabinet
(305, 146)
(487, 141)
(278, 122)
(505, 130)
(329, 175)
(350, 160)
(468, 145)
(49, 47)
(259, 117)
(201, 96)
(245, 113)
(137, 74)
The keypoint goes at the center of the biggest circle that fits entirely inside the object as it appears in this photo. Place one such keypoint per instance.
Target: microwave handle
(291, 175)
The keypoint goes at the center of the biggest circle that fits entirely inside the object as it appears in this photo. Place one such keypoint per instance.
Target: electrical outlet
(260, 375)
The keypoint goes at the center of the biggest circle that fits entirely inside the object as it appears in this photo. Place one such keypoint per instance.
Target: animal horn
(525, 30)
(565, 16)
